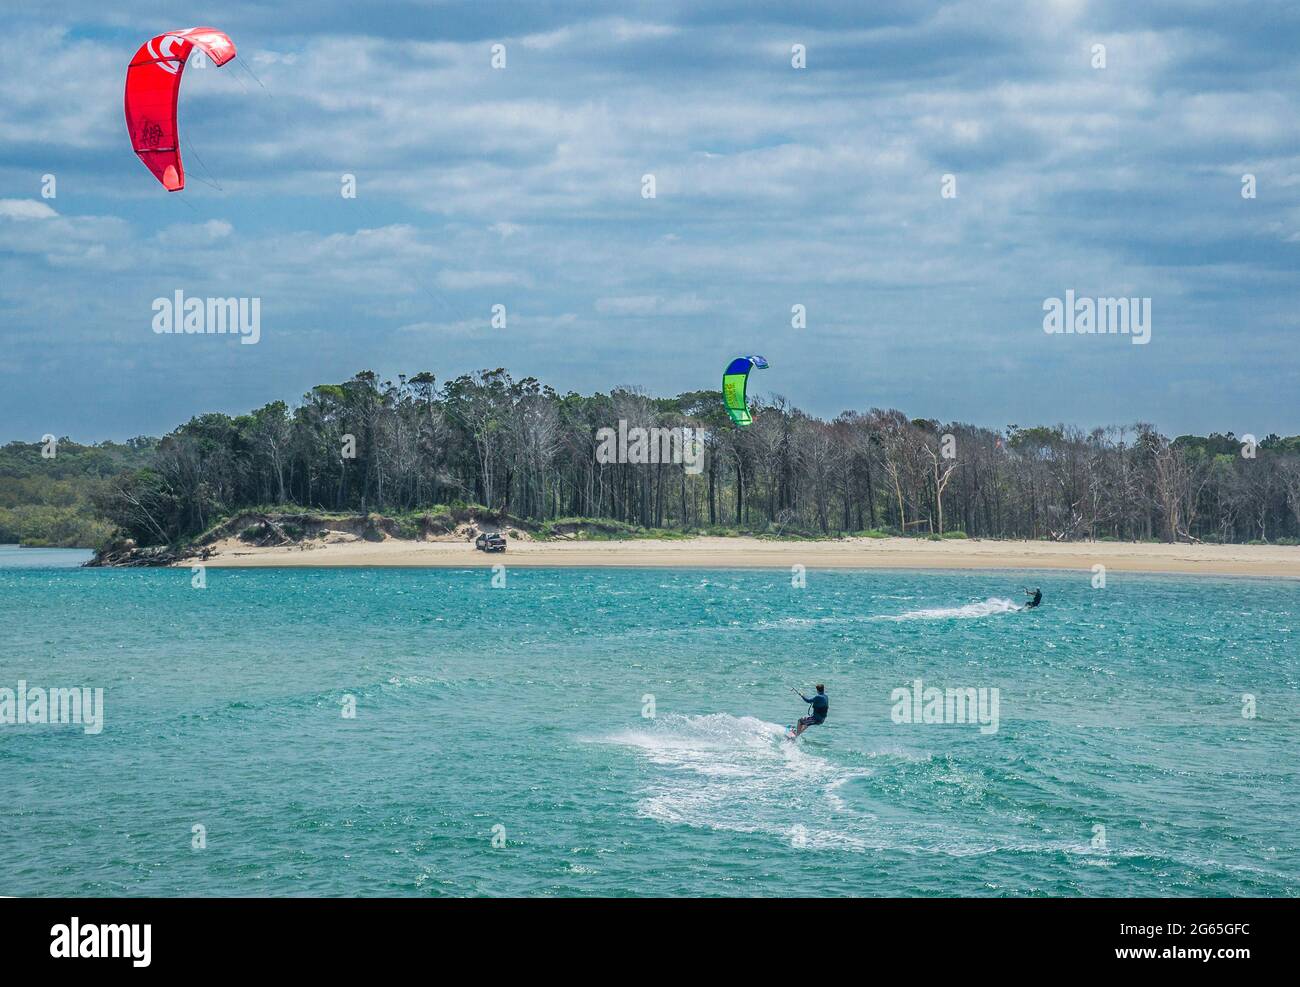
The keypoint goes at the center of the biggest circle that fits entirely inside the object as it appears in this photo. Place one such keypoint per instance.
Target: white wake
(742, 775)
(993, 605)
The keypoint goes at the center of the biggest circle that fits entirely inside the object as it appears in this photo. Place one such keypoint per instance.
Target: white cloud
(774, 185)
(196, 234)
(25, 209)
(457, 279)
(655, 305)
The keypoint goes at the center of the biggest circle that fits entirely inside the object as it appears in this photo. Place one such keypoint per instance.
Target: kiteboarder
(821, 705)
(1036, 597)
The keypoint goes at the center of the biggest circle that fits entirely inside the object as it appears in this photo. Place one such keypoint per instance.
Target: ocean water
(16, 557)
(501, 744)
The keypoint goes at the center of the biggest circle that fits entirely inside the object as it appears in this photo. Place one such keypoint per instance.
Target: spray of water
(990, 607)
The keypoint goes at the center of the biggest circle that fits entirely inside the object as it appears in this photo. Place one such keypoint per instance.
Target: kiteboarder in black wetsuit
(821, 705)
(1036, 597)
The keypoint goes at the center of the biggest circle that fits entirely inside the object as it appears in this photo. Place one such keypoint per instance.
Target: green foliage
(48, 502)
(486, 447)
(407, 528)
(37, 526)
(602, 529)
(587, 529)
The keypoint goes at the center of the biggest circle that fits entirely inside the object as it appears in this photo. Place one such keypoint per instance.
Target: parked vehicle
(490, 541)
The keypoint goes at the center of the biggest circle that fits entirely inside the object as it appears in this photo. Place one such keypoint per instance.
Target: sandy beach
(849, 553)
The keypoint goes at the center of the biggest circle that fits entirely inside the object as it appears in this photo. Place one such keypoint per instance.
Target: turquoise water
(15, 557)
(521, 708)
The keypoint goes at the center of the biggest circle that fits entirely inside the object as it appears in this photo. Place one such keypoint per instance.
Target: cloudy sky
(775, 186)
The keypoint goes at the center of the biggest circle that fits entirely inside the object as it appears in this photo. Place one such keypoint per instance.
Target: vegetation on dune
(601, 529)
(517, 452)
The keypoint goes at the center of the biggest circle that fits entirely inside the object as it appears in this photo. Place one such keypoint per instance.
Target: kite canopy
(734, 379)
(153, 81)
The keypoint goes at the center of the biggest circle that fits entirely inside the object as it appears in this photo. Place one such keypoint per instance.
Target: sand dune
(849, 553)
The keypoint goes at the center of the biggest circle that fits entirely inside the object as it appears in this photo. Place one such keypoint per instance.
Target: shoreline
(707, 552)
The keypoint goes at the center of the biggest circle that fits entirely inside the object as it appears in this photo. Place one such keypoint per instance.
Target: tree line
(521, 448)
(48, 489)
